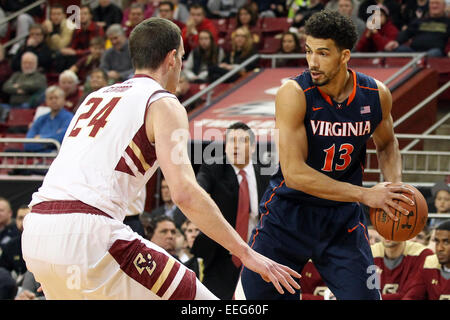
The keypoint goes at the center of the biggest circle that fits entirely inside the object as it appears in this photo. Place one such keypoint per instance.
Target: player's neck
(155, 75)
(394, 252)
(340, 87)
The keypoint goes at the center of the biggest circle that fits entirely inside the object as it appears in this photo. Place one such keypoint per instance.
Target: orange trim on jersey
(267, 212)
(362, 87)
(326, 97)
(309, 88)
(353, 94)
(353, 229)
(365, 231)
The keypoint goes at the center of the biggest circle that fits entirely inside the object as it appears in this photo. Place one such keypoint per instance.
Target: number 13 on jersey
(345, 152)
(98, 121)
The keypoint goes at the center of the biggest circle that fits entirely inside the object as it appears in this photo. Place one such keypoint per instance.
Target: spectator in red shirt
(311, 283)
(374, 40)
(196, 23)
(91, 61)
(81, 37)
(399, 262)
(433, 280)
(135, 16)
(166, 10)
(68, 81)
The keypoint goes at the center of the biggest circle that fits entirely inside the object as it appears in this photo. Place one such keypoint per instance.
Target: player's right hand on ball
(383, 195)
(271, 271)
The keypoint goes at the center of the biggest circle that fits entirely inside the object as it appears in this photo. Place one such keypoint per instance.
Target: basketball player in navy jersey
(312, 207)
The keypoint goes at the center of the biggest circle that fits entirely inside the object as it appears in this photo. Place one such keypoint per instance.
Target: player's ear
(171, 58)
(345, 55)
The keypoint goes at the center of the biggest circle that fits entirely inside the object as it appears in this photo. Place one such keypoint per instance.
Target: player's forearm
(313, 182)
(198, 206)
(390, 162)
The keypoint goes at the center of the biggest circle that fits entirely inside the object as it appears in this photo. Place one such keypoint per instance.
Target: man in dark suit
(236, 185)
(168, 208)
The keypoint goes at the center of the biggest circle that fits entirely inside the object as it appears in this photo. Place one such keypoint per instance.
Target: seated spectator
(81, 38)
(290, 43)
(68, 81)
(312, 284)
(206, 55)
(246, 17)
(185, 90)
(52, 125)
(23, 21)
(35, 43)
(116, 61)
(375, 40)
(433, 280)
(194, 263)
(168, 208)
(423, 237)
(89, 62)
(180, 11)
(393, 6)
(97, 79)
(58, 30)
(166, 10)
(197, 22)
(400, 262)
(269, 8)
(5, 73)
(25, 87)
(149, 10)
(135, 16)
(107, 14)
(224, 8)
(8, 287)
(374, 236)
(429, 34)
(11, 253)
(161, 232)
(412, 10)
(8, 229)
(304, 12)
(440, 201)
(242, 48)
(346, 8)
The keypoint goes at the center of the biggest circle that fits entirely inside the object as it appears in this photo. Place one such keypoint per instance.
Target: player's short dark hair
(151, 41)
(332, 25)
(242, 126)
(167, 3)
(444, 225)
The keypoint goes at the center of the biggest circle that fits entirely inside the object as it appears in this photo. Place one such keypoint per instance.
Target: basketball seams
(416, 214)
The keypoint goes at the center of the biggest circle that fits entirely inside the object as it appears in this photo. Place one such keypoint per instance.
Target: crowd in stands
(55, 65)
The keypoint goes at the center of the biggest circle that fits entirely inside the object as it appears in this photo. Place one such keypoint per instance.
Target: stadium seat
(270, 45)
(273, 26)
(221, 26)
(19, 119)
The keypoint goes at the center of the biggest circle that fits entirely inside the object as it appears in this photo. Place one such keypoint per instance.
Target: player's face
(238, 147)
(164, 236)
(324, 59)
(442, 240)
(442, 201)
(390, 243)
(174, 71)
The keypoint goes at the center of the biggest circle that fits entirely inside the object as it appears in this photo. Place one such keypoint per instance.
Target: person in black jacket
(106, 14)
(225, 183)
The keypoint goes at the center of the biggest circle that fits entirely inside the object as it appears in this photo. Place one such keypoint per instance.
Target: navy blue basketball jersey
(337, 133)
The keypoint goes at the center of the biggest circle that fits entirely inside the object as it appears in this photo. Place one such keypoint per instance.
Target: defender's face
(324, 59)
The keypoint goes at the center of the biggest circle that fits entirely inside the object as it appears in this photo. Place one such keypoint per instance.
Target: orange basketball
(408, 226)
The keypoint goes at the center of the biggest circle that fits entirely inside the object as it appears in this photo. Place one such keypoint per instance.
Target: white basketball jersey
(105, 158)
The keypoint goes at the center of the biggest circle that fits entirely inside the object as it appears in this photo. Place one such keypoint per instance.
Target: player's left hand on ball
(271, 271)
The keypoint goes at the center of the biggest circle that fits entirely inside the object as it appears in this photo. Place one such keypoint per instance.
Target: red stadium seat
(221, 26)
(19, 119)
(274, 26)
(270, 45)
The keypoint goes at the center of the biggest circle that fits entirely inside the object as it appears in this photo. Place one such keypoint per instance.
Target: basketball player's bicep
(384, 133)
(290, 108)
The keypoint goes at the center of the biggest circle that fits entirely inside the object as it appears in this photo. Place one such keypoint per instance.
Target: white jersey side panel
(105, 158)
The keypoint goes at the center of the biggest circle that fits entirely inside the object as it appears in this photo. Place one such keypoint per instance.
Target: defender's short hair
(332, 25)
(151, 41)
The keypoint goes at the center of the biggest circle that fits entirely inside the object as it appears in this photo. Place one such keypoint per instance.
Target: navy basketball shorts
(335, 238)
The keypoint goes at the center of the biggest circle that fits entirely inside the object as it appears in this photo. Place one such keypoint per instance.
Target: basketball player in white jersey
(74, 241)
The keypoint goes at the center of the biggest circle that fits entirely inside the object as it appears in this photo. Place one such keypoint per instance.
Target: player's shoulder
(377, 250)
(415, 249)
(432, 262)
